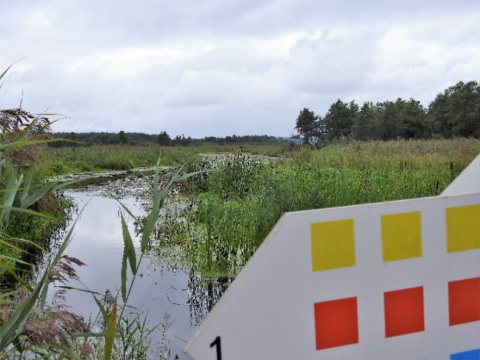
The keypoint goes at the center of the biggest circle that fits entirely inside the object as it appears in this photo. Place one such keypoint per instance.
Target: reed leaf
(156, 205)
(22, 210)
(12, 327)
(23, 143)
(32, 199)
(123, 276)
(102, 309)
(129, 212)
(129, 248)
(8, 242)
(68, 238)
(9, 197)
(12, 271)
(110, 336)
(5, 72)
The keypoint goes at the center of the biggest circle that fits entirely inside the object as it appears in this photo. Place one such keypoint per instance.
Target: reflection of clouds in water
(163, 290)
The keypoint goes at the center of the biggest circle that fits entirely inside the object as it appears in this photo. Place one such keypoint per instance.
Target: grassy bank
(31, 210)
(241, 201)
(80, 159)
(112, 157)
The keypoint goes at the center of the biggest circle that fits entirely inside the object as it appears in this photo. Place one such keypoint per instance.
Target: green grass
(81, 159)
(67, 160)
(242, 201)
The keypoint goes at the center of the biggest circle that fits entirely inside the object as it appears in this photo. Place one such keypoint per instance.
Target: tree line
(454, 113)
(163, 139)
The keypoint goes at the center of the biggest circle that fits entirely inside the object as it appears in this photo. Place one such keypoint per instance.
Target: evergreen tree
(163, 139)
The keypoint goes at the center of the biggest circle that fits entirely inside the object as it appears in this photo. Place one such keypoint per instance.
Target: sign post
(393, 280)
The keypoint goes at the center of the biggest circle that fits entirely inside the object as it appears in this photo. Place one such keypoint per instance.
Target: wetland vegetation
(220, 202)
(222, 206)
(233, 206)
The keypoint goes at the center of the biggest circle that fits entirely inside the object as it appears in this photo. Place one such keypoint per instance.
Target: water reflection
(165, 290)
(203, 295)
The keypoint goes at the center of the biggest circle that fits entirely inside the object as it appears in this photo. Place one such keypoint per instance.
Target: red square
(464, 301)
(336, 323)
(404, 311)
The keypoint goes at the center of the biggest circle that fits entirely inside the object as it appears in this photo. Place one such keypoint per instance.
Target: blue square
(466, 355)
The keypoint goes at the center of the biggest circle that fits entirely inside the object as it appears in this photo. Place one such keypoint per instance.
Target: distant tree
(307, 126)
(122, 138)
(163, 139)
(390, 122)
(177, 141)
(366, 122)
(413, 117)
(339, 119)
(402, 120)
(103, 138)
(231, 139)
(182, 140)
(456, 111)
(453, 113)
(73, 137)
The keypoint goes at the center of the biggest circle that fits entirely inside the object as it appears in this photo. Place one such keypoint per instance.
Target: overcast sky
(224, 67)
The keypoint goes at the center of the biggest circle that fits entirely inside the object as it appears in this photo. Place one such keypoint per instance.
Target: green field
(234, 206)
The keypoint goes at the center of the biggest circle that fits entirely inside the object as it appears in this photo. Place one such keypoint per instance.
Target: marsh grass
(80, 159)
(112, 157)
(241, 202)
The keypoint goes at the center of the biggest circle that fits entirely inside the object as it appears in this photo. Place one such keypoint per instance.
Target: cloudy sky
(224, 67)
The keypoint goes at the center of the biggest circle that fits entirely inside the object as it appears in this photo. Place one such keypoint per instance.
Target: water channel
(166, 290)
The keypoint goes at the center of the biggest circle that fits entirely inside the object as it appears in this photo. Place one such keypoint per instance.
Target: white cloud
(411, 57)
(225, 66)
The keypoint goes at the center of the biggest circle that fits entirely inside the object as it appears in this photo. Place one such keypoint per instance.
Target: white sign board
(395, 280)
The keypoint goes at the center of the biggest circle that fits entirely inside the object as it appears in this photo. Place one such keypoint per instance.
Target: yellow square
(463, 228)
(401, 236)
(333, 244)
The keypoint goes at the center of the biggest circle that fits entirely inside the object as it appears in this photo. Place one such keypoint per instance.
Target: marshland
(162, 244)
(119, 251)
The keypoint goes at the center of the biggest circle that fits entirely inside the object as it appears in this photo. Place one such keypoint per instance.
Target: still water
(165, 290)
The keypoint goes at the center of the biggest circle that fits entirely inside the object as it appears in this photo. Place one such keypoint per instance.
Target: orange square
(464, 301)
(336, 323)
(404, 311)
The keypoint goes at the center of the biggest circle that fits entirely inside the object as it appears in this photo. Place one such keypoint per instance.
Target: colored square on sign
(401, 236)
(463, 228)
(404, 311)
(333, 244)
(336, 323)
(466, 355)
(464, 301)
